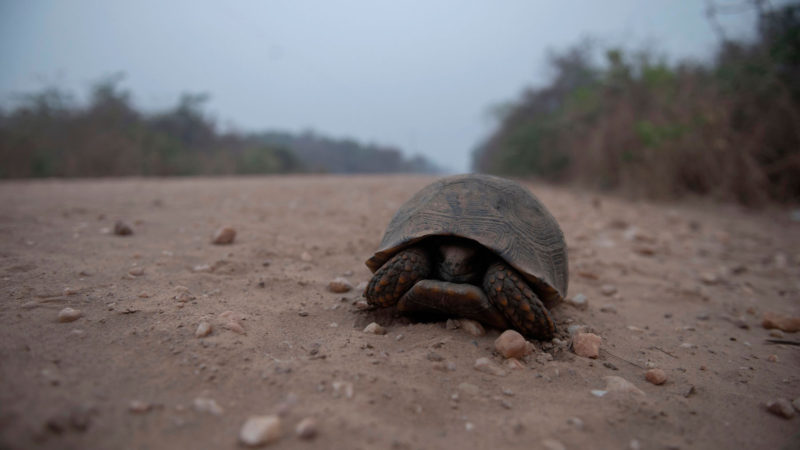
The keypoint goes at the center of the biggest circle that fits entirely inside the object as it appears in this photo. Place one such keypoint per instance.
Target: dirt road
(688, 285)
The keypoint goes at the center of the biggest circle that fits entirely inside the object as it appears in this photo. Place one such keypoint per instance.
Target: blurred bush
(728, 129)
(49, 134)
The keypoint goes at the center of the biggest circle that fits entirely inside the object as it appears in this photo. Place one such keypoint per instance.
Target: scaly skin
(510, 293)
(397, 276)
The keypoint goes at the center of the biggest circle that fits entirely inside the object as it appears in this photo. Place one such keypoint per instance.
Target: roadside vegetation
(728, 128)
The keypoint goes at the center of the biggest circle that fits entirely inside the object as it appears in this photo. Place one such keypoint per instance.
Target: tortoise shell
(498, 214)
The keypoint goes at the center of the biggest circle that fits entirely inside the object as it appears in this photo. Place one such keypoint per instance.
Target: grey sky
(420, 75)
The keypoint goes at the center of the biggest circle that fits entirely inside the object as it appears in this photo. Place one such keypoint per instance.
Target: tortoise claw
(510, 293)
(397, 276)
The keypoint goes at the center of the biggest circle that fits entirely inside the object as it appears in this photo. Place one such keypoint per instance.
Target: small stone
(777, 334)
(340, 285)
(260, 430)
(122, 229)
(307, 428)
(433, 356)
(69, 315)
(703, 316)
(655, 376)
(608, 309)
(136, 271)
(781, 322)
(575, 422)
(206, 268)
(139, 407)
(374, 328)
(182, 294)
(343, 388)
(70, 291)
(781, 407)
(472, 327)
(552, 444)
(619, 384)
(514, 364)
(452, 324)
(608, 289)
(305, 256)
(486, 365)
(203, 329)
(772, 358)
(709, 278)
(586, 345)
(579, 301)
(224, 236)
(511, 344)
(233, 321)
(207, 405)
(361, 304)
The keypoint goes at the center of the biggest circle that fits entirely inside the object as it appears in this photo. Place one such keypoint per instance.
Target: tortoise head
(460, 261)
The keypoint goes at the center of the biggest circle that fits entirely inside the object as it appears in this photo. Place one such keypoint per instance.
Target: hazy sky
(419, 75)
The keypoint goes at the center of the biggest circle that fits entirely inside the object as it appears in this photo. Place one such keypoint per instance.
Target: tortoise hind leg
(397, 276)
(510, 293)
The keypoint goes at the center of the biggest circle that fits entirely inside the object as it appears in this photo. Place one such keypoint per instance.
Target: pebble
(307, 428)
(305, 256)
(579, 301)
(343, 388)
(608, 289)
(69, 315)
(655, 376)
(511, 344)
(139, 407)
(122, 229)
(575, 422)
(136, 271)
(781, 407)
(206, 268)
(486, 365)
(233, 321)
(260, 430)
(224, 236)
(203, 329)
(340, 285)
(781, 322)
(608, 309)
(433, 356)
(514, 364)
(374, 328)
(619, 384)
(207, 405)
(709, 278)
(772, 358)
(182, 294)
(586, 345)
(552, 444)
(776, 334)
(472, 327)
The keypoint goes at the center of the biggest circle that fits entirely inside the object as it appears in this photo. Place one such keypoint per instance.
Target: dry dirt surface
(681, 287)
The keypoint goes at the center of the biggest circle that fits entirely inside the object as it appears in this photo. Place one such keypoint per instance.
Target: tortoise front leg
(510, 293)
(397, 276)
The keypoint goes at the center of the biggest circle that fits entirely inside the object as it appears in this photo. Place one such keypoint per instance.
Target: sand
(680, 287)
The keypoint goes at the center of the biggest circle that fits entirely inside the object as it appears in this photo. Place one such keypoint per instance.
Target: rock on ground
(260, 430)
(586, 344)
(69, 315)
(656, 376)
(511, 344)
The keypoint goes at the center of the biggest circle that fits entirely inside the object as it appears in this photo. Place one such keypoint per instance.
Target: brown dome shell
(497, 213)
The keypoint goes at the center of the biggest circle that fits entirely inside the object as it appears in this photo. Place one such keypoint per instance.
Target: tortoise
(473, 246)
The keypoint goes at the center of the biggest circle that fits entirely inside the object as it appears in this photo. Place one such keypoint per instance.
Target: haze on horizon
(420, 76)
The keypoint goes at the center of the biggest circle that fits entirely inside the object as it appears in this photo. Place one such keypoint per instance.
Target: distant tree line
(49, 134)
(729, 128)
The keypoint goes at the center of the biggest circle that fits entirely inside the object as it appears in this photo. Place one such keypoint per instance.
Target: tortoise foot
(397, 276)
(510, 293)
(443, 298)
